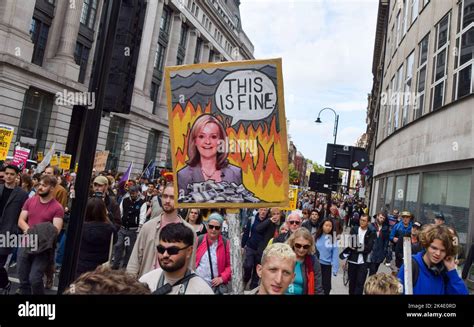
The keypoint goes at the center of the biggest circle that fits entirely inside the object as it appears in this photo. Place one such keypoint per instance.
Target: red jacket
(223, 257)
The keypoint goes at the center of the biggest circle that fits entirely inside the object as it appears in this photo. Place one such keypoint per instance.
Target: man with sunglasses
(144, 257)
(175, 250)
(293, 222)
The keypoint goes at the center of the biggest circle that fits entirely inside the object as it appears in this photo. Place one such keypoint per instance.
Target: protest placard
(228, 134)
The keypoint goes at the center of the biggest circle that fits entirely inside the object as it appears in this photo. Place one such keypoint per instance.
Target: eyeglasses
(214, 227)
(293, 222)
(299, 246)
(172, 250)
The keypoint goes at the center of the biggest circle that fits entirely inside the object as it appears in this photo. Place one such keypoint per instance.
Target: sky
(327, 48)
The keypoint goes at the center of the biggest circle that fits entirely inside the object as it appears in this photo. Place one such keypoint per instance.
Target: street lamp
(336, 121)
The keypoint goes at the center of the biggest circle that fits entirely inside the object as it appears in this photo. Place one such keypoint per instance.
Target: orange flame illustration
(262, 173)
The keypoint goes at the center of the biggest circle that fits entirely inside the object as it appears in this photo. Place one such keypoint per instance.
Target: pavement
(337, 281)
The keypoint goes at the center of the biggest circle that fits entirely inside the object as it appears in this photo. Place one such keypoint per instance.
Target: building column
(15, 19)
(137, 136)
(191, 48)
(175, 34)
(63, 62)
(12, 97)
(147, 48)
(103, 133)
(59, 126)
(206, 49)
(165, 154)
(171, 57)
(67, 41)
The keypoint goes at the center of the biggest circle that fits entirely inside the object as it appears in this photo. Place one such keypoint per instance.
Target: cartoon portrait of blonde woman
(206, 159)
(228, 142)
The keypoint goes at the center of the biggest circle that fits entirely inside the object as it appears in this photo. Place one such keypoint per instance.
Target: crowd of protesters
(134, 228)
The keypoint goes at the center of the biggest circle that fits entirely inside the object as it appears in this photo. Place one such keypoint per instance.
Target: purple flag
(126, 176)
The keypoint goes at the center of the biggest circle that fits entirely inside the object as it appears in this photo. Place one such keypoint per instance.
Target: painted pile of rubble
(212, 192)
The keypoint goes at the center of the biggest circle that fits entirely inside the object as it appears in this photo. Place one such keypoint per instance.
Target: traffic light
(346, 157)
(316, 183)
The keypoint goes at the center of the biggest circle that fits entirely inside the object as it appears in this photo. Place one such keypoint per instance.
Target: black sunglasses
(294, 222)
(214, 227)
(299, 246)
(172, 250)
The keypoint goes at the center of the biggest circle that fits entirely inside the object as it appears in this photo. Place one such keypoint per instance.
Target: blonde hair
(382, 284)
(304, 233)
(278, 250)
(446, 235)
(275, 209)
(194, 157)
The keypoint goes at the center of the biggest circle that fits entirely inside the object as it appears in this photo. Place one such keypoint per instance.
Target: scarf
(309, 274)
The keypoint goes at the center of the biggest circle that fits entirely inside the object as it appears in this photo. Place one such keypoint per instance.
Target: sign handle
(407, 266)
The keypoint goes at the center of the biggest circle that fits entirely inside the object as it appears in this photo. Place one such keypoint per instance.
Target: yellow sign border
(281, 119)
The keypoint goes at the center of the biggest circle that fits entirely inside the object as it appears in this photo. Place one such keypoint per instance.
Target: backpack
(416, 272)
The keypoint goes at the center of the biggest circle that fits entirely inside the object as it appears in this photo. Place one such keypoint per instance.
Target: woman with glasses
(326, 245)
(308, 279)
(213, 256)
(194, 217)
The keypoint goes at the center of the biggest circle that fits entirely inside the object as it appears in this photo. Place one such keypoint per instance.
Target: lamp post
(336, 121)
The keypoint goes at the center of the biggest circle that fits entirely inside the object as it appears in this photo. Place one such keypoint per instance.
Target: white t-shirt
(360, 241)
(196, 285)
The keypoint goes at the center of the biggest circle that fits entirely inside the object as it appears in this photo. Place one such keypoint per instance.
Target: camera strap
(163, 288)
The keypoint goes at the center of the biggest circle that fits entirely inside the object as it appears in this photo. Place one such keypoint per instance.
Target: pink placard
(20, 157)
